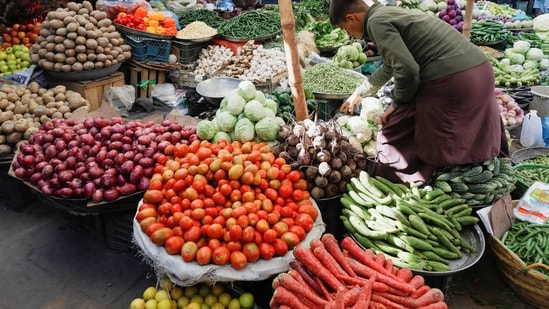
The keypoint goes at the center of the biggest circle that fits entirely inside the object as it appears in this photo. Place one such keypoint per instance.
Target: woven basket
(528, 153)
(528, 283)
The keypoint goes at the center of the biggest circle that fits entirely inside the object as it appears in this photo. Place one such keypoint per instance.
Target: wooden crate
(92, 90)
(143, 79)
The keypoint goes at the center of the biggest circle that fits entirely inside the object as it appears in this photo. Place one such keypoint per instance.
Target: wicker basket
(528, 153)
(528, 283)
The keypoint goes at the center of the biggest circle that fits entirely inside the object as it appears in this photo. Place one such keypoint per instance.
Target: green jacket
(416, 48)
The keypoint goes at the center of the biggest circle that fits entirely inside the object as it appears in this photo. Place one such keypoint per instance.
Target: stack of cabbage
(244, 115)
(520, 66)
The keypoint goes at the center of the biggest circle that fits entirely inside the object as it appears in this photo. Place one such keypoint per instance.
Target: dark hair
(340, 8)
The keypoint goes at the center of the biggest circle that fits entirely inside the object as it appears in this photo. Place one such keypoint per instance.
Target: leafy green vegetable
(244, 130)
(206, 129)
(225, 121)
(266, 129)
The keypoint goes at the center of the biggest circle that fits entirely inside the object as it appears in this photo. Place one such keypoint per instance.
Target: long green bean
(529, 241)
(211, 18)
(250, 25)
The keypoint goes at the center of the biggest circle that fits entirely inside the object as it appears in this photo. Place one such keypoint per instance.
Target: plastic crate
(188, 51)
(119, 230)
(89, 225)
(14, 193)
(148, 49)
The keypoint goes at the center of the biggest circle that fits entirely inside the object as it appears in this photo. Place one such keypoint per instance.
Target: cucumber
(443, 185)
(360, 226)
(472, 171)
(416, 243)
(483, 177)
(365, 180)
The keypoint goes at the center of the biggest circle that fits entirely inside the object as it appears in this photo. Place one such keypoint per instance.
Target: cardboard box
(92, 90)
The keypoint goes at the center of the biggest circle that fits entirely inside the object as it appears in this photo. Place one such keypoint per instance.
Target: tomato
(308, 209)
(159, 236)
(188, 251)
(153, 227)
(174, 244)
(280, 247)
(258, 238)
(262, 225)
(251, 251)
(221, 255)
(165, 209)
(186, 222)
(146, 222)
(269, 236)
(291, 239)
(215, 230)
(214, 243)
(305, 221)
(204, 255)
(153, 196)
(235, 232)
(238, 260)
(266, 251)
(297, 195)
(298, 230)
(248, 234)
(280, 228)
(273, 218)
(192, 234)
(285, 191)
(286, 212)
(145, 213)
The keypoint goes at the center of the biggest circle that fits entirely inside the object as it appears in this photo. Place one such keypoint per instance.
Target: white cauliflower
(370, 149)
(364, 137)
(372, 108)
(354, 142)
(357, 125)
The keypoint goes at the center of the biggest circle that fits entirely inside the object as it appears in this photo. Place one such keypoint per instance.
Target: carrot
(417, 281)
(331, 244)
(365, 296)
(352, 295)
(352, 280)
(323, 289)
(439, 305)
(309, 260)
(390, 304)
(362, 256)
(298, 267)
(376, 305)
(288, 282)
(380, 259)
(390, 267)
(284, 307)
(282, 297)
(315, 243)
(432, 296)
(420, 291)
(404, 274)
(339, 302)
(328, 260)
(390, 280)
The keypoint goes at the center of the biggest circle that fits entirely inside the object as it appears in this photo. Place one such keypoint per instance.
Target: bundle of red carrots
(328, 276)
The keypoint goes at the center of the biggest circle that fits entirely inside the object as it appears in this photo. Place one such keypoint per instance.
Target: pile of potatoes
(78, 38)
(24, 108)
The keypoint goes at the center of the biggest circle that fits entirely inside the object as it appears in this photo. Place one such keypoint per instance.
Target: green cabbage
(244, 130)
(267, 128)
(235, 105)
(544, 64)
(246, 89)
(225, 121)
(534, 54)
(255, 111)
(259, 96)
(271, 104)
(206, 129)
(530, 64)
(521, 47)
(221, 135)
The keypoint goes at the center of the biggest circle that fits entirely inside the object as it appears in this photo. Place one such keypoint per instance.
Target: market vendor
(443, 110)
(24, 12)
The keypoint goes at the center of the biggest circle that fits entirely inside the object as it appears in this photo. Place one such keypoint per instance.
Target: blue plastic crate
(148, 49)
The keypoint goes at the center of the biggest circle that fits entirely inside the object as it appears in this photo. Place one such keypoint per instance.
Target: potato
(56, 23)
(20, 109)
(88, 5)
(73, 26)
(6, 116)
(21, 125)
(2, 139)
(30, 132)
(44, 119)
(14, 137)
(91, 43)
(73, 6)
(4, 104)
(5, 150)
(7, 127)
(13, 97)
(103, 22)
(40, 110)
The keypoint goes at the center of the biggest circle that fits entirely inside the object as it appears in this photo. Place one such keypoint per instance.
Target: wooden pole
(468, 19)
(295, 78)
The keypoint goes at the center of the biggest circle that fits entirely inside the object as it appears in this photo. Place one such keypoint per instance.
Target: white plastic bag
(532, 131)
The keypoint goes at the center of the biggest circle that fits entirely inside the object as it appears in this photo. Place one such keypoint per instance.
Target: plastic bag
(121, 98)
(532, 132)
(112, 8)
(533, 206)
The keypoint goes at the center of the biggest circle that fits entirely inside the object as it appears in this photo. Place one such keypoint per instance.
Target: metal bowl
(216, 88)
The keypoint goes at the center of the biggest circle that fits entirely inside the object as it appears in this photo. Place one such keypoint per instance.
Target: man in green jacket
(443, 110)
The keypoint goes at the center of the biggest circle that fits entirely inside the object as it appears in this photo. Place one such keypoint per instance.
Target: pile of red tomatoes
(225, 203)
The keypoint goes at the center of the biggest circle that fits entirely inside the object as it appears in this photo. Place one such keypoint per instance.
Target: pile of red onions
(97, 159)
(510, 111)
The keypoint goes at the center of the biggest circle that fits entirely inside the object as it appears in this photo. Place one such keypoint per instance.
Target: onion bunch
(322, 154)
(99, 159)
(510, 111)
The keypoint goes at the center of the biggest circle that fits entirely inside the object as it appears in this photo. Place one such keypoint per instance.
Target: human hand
(386, 114)
(351, 103)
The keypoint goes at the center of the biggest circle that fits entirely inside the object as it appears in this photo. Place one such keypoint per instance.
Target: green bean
(529, 242)
(328, 78)
(250, 25)
(211, 18)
